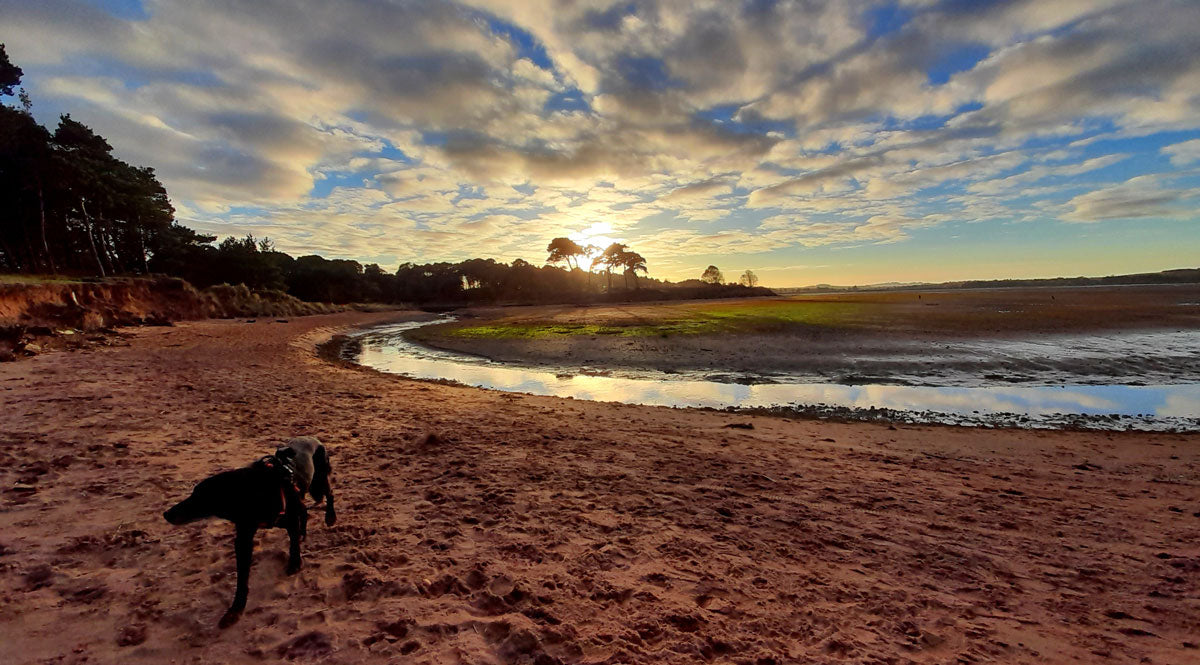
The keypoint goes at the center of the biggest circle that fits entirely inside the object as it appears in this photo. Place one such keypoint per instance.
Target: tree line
(257, 264)
(68, 206)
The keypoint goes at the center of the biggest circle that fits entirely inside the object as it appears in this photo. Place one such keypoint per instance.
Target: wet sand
(1043, 336)
(537, 529)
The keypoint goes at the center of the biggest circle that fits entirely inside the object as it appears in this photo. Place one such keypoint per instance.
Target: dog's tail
(321, 470)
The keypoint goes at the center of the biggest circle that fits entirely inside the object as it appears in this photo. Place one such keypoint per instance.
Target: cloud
(1135, 198)
(1184, 153)
(440, 129)
(1040, 172)
(704, 190)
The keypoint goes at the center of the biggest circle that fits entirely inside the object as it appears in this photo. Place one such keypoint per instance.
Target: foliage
(10, 74)
(564, 250)
(67, 203)
(690, 319)
(618, 255)
(712, 275)
(749, 279)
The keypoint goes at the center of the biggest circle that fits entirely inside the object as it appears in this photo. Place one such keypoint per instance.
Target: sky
(842, 142)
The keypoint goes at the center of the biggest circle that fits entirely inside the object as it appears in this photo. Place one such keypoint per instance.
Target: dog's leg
(330, 516)
(295, 529)
(320, 487)
(244, 550)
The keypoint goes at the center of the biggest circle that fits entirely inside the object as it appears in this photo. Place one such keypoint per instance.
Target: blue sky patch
(959, 59)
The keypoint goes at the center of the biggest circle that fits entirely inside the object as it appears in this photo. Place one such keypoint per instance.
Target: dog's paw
(293, 567)
(330, 518)
(231, 617)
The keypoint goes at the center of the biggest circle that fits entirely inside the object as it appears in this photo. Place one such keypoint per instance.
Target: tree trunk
(45, 243)
(91, 240)
(142, 241)
(635, 283)
(102, 245)
(34, 263)
(608, 274)
(106, 246)
(110, 253)
(11, 255)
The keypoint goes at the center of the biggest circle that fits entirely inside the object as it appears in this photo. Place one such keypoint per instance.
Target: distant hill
(1178, 276)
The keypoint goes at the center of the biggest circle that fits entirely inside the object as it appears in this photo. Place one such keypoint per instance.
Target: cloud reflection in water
(385, 350)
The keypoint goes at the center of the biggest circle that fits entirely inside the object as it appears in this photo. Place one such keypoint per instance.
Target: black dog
(266, 494)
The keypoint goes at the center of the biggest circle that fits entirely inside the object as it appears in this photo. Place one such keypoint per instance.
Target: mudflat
(537, 529)
(953, 337)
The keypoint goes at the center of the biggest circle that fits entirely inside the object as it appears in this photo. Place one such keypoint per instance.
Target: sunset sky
(837, 142)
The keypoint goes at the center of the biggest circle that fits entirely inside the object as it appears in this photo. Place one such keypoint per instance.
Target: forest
(69, 207)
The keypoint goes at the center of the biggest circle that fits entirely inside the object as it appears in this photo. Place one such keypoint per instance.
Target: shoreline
(572, 531)
(1046, 407)
(1054, 336)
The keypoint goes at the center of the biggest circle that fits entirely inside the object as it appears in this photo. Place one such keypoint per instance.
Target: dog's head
(203, 502)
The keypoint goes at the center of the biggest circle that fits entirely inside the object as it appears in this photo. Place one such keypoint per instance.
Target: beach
(486, 527)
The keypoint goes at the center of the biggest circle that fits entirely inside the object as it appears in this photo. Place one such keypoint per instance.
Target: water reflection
(1142, 407)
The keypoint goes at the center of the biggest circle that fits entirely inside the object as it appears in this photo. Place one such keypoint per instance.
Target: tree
(66, 203)
(181, 251)
(748, 278)
(712, 275)
(592, 253)
(611, 258)
(316, 278)
(633, 262)
(87, 159)
(563, 250)
(26, 164)
(618, 255)
(10, 74)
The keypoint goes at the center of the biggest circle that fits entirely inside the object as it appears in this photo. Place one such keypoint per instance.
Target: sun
(597, 234)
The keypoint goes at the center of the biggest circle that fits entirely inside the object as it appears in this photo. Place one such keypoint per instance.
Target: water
(1150, 407)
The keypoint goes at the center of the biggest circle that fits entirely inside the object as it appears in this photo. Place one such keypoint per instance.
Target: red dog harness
(286, 478)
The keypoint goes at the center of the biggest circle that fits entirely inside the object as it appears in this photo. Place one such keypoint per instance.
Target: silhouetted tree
(712, 275)
(592, 253)
(564, 250)
(633, 262)
(748, 278)
(181, 251)
(67, 204)
(618, 255)
(10, 74)
(611, 258)
(316, 278)
(26, 167)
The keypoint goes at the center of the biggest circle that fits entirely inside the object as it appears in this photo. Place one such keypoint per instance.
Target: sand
(541, 530)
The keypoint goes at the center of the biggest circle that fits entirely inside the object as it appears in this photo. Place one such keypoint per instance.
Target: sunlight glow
(596, 235)
(959, 141)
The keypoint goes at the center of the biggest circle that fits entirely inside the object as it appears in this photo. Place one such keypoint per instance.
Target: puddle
(1110, 407)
